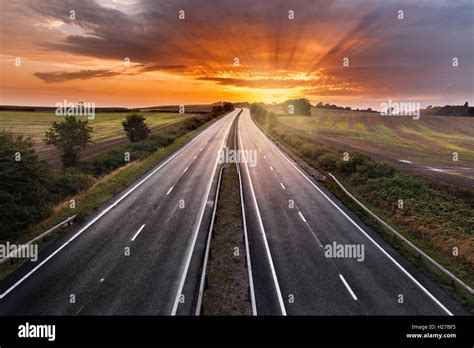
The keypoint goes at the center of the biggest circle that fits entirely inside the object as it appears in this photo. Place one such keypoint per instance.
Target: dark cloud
(386, 54)
(157, 67)
(62, 76)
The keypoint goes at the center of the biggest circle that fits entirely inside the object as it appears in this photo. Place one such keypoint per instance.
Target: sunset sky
(191, 61)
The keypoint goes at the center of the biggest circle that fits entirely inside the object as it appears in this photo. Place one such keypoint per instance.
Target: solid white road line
(171, 189)
(247, 247)
(302, 217)
(138, 232)
(348, 287)
(208, 246)
(196, 231)
(262, 230)
(105, 211)
(447, 311)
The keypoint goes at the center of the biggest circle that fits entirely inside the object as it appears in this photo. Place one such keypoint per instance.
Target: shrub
(135, 127)
(71, 181)
(328, 161)
(24, 192)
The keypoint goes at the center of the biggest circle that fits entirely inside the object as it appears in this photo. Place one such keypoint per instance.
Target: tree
(70, 136)
(301, 106)
(136, 128)
(228, 107)
(271, 120)
(26, 181)
(217, 110)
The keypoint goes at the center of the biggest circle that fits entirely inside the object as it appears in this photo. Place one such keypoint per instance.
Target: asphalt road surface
(290, 220)
(139, 256)
(142, 252)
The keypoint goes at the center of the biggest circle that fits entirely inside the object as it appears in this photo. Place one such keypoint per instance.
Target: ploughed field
(108, 132)
(424, 146)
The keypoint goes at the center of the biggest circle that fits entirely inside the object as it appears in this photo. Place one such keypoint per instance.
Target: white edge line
(348, 287)
(138, 232)
(302, 217)
(105, 211)
(208, 247)
(196, 231)
(262, 230)
(365, 233)
(247, 247)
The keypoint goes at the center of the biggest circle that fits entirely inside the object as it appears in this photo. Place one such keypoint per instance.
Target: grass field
(437, 219)
(108, 131)
(423, 146)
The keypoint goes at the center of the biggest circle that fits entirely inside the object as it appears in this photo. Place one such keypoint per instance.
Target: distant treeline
(321, 105)
(53, 109)
(449, 110)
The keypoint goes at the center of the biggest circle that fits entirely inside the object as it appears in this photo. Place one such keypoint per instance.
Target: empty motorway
(139, 254)
(142, 252)
(290, 221)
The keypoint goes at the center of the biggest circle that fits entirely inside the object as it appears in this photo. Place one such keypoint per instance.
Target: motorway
(291, 218)
(140, 253)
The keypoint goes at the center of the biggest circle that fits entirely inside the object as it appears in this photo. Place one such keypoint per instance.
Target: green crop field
(108, 131)
(425, 146)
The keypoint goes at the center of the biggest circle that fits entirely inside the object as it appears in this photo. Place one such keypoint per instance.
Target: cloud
(63, 76)
(157, 67)
(386, 55)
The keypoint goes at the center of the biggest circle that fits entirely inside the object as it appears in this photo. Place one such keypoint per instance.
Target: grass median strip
(227, 287)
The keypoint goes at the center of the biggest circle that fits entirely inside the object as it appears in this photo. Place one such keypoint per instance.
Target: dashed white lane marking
(105, 211)
(271, 167)
(191, 247)
(400, 267)
(348, 287)
(169, 190)
(282, 186)
(264, 157)
(194, 157)
(138, 232)
(302, 217)
(101, 280)
(186, 170)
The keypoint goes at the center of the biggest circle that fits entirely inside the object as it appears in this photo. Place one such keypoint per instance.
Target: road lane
(102, 271)
(299, 221)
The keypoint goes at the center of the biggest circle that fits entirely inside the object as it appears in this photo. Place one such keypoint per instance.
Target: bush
(328, 162)
(71, 181)
(25, 189)
(312, 151)
(135, 127)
